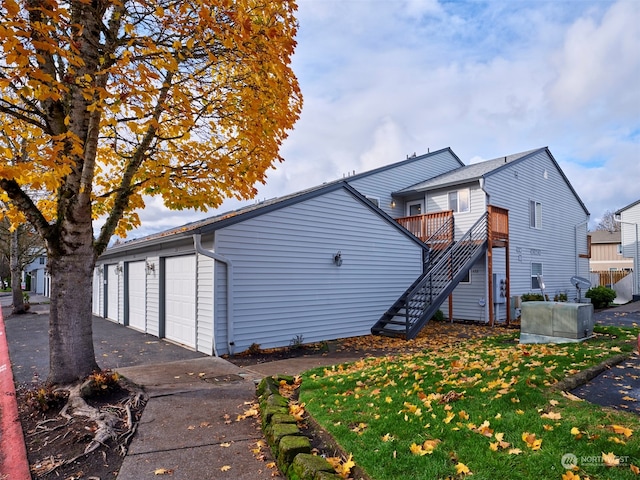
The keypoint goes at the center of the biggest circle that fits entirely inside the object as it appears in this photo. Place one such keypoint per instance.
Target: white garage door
(180, 295)
(112, 293)
(137, 297)
(96, 304)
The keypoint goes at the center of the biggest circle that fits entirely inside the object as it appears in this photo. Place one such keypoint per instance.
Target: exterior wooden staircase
(447, 263)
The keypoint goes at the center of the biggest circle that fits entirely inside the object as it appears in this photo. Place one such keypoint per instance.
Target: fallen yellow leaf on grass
(514, 451)
(635, 469)
(610, 459)
(462, 469)
(569, 475)
(532, 442)
(552, 415)
(617, 440)
(342, 466)
(426, 448)
(627, 432)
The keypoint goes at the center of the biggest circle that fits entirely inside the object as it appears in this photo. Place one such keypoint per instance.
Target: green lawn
(482, 407)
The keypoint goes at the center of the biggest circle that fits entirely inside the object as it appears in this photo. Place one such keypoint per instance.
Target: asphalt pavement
(190, 426)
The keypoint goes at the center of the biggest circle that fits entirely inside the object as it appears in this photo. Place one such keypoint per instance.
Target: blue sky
(382, 79)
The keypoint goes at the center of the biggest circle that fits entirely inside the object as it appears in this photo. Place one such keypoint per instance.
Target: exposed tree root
(115, 425)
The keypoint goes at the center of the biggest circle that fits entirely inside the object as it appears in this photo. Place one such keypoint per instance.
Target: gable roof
(631, 205)
(605, 236)
(216, 222)
(465, 174)
(476, 171)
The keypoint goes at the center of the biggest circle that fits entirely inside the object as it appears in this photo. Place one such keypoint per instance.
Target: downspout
(575, 244)
(215, 256)
(488, 280)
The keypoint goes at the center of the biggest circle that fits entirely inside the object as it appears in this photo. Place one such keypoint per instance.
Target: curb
(13, 460)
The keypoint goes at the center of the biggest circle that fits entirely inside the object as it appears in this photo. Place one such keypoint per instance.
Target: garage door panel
(137, 295)
(112, 293)
(180, 309)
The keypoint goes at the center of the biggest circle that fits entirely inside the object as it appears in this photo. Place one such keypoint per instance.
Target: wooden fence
(607, 278)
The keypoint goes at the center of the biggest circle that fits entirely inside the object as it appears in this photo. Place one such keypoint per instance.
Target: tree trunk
(71, 264)
(16, 275)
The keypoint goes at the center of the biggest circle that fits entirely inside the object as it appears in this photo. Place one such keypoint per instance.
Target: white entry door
(137, 297)
(180, 300)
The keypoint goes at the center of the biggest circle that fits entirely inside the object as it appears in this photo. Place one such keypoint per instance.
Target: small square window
(536, 269)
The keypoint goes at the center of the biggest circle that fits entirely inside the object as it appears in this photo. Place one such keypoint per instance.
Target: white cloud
(598, 68)
(385, 79)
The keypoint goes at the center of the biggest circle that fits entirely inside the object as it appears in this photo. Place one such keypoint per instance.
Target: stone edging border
(290, 448)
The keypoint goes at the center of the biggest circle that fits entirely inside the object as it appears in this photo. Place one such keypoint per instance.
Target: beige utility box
(555, 322)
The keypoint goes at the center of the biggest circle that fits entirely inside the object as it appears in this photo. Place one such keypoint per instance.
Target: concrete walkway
(190, 425)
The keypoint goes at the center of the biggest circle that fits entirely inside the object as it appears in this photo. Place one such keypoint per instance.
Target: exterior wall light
(337, 259)
(150, 268)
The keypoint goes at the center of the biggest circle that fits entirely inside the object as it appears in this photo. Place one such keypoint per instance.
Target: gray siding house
(547, 229)
(629, 218)
(352, 256)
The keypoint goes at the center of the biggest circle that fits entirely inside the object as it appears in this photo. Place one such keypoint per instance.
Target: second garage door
(137, 303)
(180, 304)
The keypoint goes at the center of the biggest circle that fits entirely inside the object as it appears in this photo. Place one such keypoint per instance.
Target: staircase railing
(415, 307)
(439, 242)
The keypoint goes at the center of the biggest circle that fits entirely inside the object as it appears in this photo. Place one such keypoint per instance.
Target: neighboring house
(40, 282)
(371, 252)
(606, 252)
(629, 218)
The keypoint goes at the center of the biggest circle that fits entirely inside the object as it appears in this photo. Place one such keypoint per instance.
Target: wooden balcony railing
(498, 225)
(424, 226)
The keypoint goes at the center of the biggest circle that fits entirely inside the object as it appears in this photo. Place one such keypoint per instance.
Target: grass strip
(483, 407)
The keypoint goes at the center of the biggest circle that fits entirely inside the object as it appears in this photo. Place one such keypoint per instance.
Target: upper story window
(460, 200)
(535, 214)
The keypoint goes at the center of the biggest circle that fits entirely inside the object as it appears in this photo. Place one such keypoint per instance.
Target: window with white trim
(460, 200)
(535, 214)
(536, 269)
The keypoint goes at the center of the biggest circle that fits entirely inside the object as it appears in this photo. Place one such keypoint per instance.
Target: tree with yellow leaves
(113, 101)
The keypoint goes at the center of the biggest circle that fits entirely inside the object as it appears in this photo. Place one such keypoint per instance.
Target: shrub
(532, 297)
(601, 296)
(438, 316)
